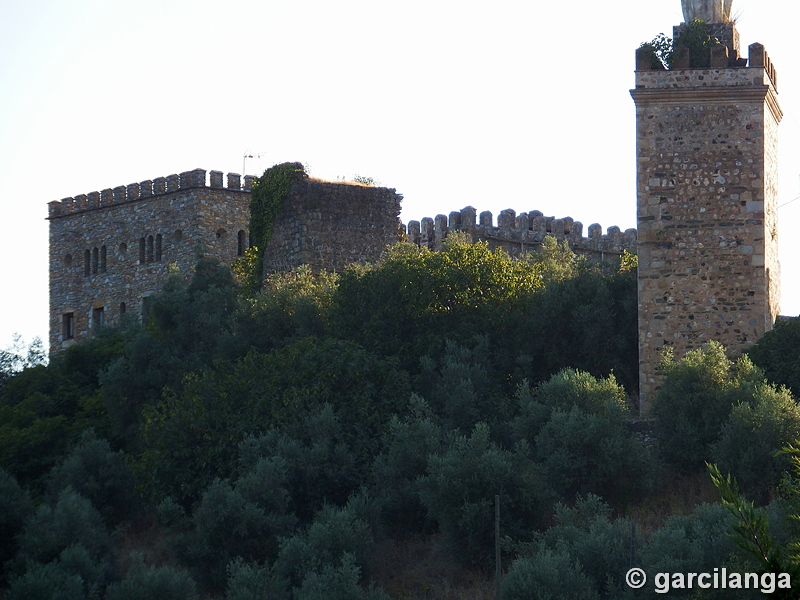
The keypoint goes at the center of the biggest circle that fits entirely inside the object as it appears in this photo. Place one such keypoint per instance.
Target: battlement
(521, 233)
(198, 178)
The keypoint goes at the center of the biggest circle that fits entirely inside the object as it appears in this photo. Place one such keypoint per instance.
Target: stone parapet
(136, 191)
(521, 233)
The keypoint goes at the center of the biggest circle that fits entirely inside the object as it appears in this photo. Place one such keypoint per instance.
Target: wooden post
(497, 547)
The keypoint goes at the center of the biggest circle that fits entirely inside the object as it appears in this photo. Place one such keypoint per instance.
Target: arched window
(241, 240)
(122, 308)
(87, 261)
(102, 259)
(68, 260)
(95, 260)
(149, 248)
(158, 247)
(141, 251)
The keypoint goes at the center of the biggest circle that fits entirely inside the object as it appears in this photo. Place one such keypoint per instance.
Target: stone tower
(110, 250)
(706, 151)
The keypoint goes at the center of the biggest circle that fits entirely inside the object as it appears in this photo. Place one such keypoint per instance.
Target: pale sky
(508, 104)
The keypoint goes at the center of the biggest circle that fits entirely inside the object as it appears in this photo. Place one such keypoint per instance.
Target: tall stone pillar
(706, 151)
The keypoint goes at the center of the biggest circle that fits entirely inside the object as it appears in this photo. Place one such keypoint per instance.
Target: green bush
(15, 509)
(319, 465)
(289, 307)
(44, 409)
(550, 574)
(225, 526)
(252, 581)
(460, 486)
(695, 400)
(778, 354)
(585, 321)
(143, 582)
(334, 533)
(755, 432)
(47, 582)
(336, 582)
(583, 452)
(461, 387)
(188, 325)
(696, 543)
(414, 299)
(71, 521)
(192, 437)
(408, 444)
(599, 544)
(564, 391)
(97, 473)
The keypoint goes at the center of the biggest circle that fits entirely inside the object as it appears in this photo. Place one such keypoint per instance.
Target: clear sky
(507, 104)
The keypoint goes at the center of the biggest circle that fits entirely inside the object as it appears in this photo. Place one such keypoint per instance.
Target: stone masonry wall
(707, 216)
(518, 234)
(328, 225)
(110, 250)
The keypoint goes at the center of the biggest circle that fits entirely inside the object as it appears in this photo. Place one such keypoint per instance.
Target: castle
(707, 218)
(112, 249)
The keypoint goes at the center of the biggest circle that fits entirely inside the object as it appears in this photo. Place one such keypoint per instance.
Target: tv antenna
(248, 154)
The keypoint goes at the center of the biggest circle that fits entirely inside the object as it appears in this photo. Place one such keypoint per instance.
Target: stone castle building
(707, 184)
(706, 152)
(110, 250)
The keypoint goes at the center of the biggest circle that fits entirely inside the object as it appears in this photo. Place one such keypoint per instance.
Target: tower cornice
(692, 96)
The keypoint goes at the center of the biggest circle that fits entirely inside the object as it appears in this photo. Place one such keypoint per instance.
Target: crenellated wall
(110, 250)
(518, 234)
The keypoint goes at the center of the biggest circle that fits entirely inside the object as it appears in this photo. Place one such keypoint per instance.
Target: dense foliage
(273, 443)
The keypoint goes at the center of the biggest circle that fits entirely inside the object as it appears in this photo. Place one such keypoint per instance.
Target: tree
(778, 354)
(191, 437)
(407, 305)
(750, 441)
(695, 401)
(461, 483)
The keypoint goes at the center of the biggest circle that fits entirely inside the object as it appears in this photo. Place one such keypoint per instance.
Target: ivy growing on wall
(267, 198)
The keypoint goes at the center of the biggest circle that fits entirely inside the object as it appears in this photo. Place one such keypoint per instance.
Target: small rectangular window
(68, 326)
(145, 306)
(98, 317)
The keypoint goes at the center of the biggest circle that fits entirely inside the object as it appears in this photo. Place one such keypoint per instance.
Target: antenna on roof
(248, 154)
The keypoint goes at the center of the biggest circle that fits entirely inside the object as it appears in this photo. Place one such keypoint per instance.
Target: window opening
(68, 326)
(98, 317)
